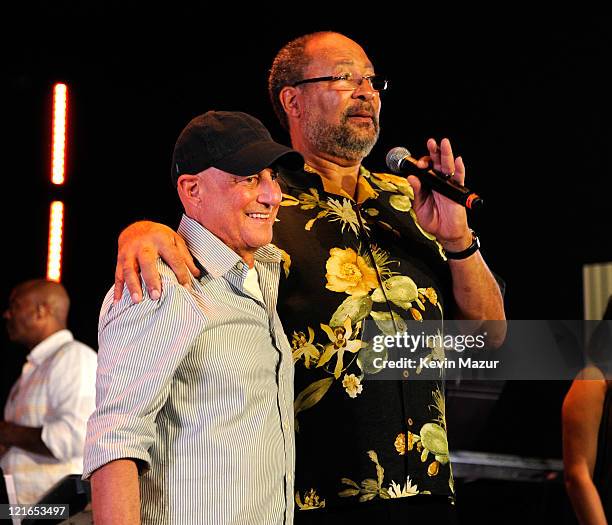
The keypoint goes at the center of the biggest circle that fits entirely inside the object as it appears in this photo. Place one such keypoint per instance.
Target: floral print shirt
(359, 439)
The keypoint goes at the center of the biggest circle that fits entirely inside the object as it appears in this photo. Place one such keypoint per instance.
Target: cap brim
(258, 156)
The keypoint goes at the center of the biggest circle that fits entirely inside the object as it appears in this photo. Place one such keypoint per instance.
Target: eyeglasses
(347, 82)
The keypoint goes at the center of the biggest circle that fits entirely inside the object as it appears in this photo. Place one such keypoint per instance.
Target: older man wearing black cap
(194, 415)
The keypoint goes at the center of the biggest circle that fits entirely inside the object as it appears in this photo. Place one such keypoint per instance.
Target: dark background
(523, 97)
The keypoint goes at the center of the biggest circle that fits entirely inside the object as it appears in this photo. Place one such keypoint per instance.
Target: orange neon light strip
(56, 232)
(58, 158)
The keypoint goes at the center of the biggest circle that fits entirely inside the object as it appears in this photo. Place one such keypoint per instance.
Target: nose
(270, 193)
(364, 90)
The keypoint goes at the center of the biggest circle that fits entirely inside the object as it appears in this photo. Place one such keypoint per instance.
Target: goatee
(347, 140)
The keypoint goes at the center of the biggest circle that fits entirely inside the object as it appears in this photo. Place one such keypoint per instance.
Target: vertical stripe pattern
(56, 393)
(198, 388)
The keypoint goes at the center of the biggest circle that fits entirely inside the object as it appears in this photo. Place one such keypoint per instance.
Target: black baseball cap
(231, 141)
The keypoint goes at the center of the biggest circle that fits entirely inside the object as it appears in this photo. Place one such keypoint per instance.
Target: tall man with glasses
(358, 247)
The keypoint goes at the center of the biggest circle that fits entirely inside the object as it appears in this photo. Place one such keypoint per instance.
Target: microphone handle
(445, 186)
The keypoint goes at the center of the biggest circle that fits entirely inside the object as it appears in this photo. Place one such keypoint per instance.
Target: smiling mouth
(259, 216)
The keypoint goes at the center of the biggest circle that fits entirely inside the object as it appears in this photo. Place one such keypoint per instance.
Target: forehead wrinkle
(337, 50)
(351, 62)
(334, 64)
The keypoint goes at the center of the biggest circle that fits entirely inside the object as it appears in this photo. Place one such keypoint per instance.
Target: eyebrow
(349, 62)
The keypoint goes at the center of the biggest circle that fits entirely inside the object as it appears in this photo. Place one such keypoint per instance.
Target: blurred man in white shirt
(45, 418)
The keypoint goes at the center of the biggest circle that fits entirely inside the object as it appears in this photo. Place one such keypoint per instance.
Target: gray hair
(287, 69)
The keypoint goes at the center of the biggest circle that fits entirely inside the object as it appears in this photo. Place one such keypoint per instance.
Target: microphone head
(395, 157)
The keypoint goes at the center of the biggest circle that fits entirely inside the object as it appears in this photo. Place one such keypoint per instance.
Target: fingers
(441, 156)
(178, 266)
(119, 282)
(424, 162)
(415, 183)
(459, 170)
(131, 266)
(187, 257)
(140, 244)
(432, 146)
(147, 260)
(444, 161)
(177, 256)
(447, 161)
(124, 274)
(127, 273)
(419, 197)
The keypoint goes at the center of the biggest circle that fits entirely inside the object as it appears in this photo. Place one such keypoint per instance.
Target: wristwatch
(464, 254)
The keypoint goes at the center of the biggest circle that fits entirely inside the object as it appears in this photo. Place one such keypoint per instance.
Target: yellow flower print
(345, 214)
(340, 343)
(433, 469)
(397, 491)
(352, 385)
(430, 293)
(310, 200)
(431, 439)
(427, 235)
(310, 396)
(437, 354)
(303, 347)
(400, 182)
(401, 445)
(355, 307)
(286, 258)
(387, 324)
(370, 488)
(384, 185)
(400, 202)
(348, 272)
(399, 289)
(416, 314)
(309, 224)
(289, 200)
(311, 500)
(383, 262)
(393, 183)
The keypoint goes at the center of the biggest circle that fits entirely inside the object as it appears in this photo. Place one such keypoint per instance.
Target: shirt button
(239, 266)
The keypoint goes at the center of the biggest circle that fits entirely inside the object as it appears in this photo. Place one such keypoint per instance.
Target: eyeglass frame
(333, 78)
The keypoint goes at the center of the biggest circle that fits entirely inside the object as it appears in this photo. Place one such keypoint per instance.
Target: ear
(189, 188)
(42, 310)
(291, 100)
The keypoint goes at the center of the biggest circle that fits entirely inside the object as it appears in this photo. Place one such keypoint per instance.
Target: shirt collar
(49, 346)
(213, 255)
(364, 189)
(304, 179)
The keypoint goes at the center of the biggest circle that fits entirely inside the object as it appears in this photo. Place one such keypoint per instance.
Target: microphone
(401, 162)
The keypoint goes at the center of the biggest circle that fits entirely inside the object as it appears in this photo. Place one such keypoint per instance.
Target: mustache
(365, 108)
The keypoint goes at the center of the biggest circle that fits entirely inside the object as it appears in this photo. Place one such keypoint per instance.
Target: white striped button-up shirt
(198, 388)
(55, 392)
